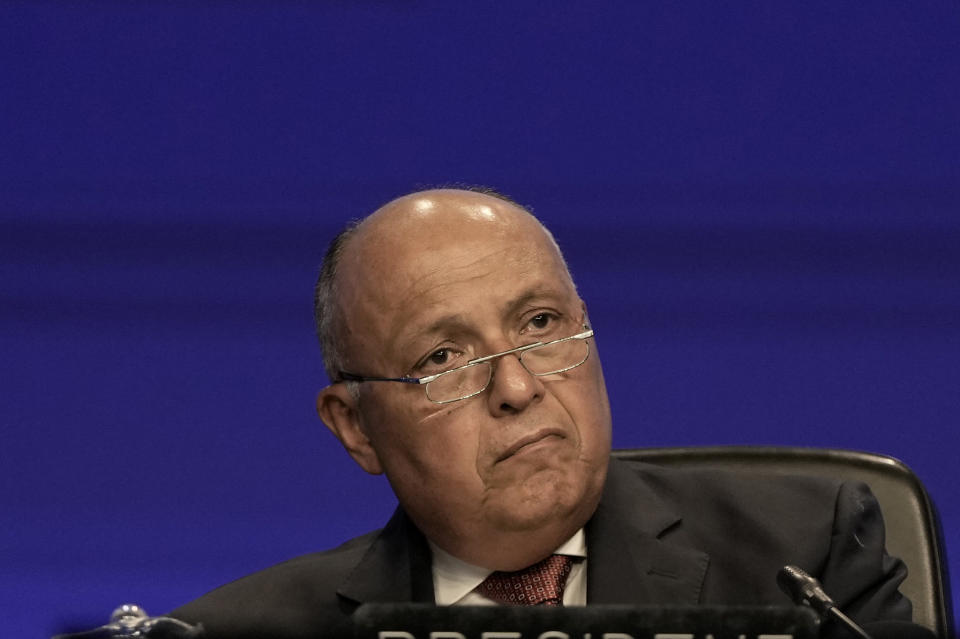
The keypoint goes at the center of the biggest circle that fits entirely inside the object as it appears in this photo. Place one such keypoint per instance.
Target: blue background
(759, 201)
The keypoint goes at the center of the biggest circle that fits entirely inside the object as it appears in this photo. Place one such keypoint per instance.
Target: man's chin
(546, 500)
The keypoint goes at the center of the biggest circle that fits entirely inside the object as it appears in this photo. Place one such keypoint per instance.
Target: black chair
(913, 529)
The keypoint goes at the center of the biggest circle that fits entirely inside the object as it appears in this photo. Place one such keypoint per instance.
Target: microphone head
(791, 581)
(803, 589)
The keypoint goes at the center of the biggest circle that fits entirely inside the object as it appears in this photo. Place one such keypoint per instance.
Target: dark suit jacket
(658, 536)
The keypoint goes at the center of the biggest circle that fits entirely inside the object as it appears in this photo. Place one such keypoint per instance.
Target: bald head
(401, 235)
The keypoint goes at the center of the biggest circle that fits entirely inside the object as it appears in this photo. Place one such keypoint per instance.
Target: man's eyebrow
(460, 322)
(457, 322)
(524, 299)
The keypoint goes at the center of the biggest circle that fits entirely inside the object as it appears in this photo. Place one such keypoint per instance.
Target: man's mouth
(530, 440)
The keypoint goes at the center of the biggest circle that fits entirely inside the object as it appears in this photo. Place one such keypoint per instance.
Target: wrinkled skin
(500, 479)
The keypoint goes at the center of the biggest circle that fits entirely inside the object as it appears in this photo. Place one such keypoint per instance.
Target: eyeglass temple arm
(343, 376)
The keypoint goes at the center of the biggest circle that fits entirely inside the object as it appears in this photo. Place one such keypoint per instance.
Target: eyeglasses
(539, 358)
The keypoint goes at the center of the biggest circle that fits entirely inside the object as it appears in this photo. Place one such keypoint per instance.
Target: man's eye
(439, 357)
(541, 320)
(439, 360)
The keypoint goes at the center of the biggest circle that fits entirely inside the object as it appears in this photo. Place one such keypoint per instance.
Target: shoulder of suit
(306, 577)
(720, 508)
(347, 553)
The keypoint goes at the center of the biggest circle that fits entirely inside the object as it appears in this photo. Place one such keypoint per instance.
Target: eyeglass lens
(542, 360)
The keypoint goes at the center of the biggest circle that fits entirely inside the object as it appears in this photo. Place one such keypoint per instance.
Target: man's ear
(337, 408)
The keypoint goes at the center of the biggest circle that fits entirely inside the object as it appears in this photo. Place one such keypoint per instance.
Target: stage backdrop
(758, 200)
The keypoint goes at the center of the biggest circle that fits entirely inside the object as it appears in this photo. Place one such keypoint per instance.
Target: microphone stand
(805, 590)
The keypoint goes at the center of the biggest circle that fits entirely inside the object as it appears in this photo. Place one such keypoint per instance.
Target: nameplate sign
(423, 621)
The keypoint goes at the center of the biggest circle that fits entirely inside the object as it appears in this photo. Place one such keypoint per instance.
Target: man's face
(430, 283)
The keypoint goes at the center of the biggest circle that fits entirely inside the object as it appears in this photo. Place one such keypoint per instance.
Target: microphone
(130, 620)
(805, 590)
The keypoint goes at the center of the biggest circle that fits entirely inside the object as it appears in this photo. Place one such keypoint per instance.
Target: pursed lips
(533, 438)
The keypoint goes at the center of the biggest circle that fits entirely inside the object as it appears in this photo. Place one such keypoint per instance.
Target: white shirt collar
(454, 579)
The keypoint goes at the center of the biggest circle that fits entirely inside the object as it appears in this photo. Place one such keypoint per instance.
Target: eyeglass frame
(343, 376)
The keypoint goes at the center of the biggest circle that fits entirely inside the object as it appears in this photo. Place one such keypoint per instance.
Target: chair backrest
(913, 528)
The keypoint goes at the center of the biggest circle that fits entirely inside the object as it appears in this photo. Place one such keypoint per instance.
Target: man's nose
(513, 387)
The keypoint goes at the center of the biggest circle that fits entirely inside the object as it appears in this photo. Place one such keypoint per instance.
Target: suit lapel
(629, 557)
(396, 567)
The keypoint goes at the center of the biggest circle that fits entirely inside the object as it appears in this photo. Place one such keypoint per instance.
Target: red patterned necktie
(536, 585)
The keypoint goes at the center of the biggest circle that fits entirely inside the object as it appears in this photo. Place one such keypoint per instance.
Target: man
(465, 368)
